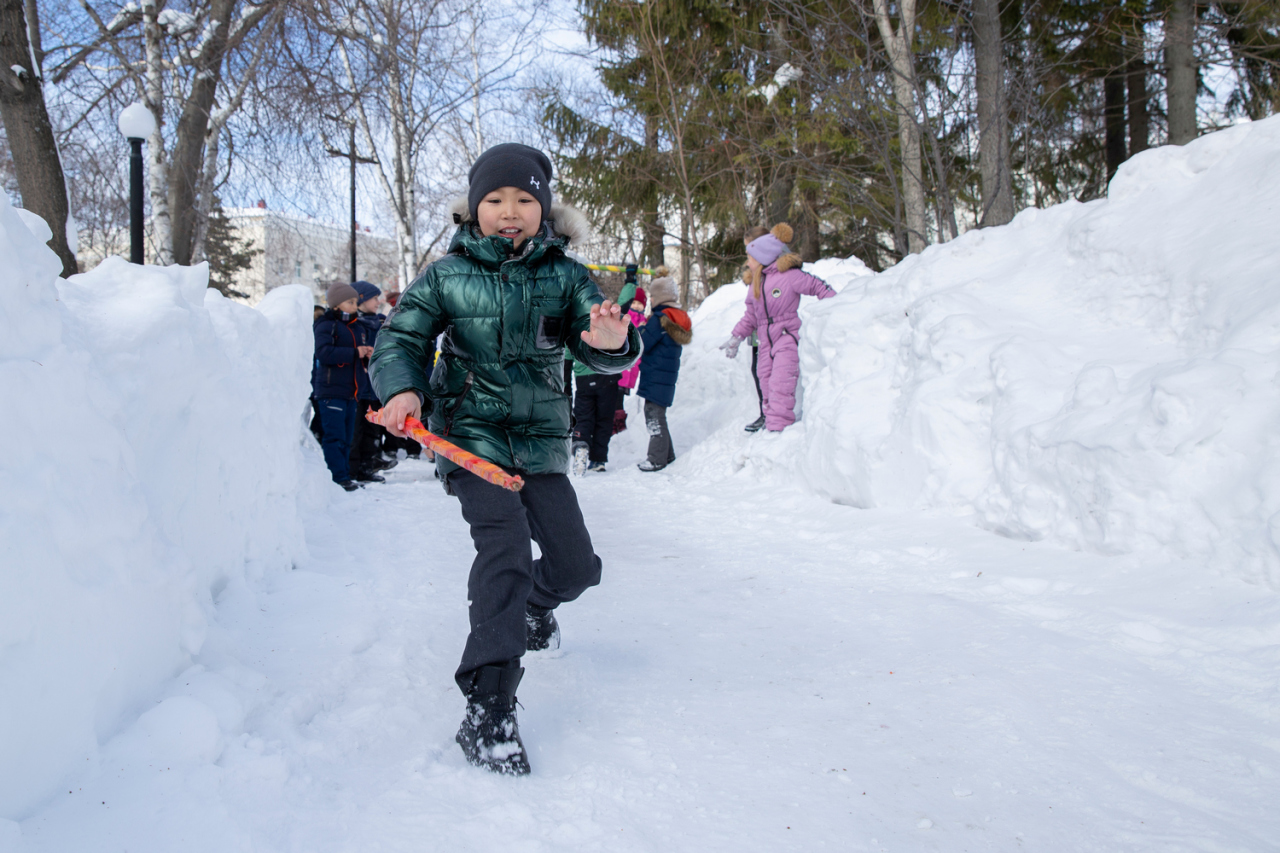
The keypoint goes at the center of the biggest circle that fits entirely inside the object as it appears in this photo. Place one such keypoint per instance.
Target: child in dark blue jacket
(665, 335)
(341, 343)
(366, 441)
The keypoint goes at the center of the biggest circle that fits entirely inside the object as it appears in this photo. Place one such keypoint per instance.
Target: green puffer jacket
(498, 386)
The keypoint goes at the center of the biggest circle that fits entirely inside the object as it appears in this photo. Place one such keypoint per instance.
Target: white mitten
(730, 346)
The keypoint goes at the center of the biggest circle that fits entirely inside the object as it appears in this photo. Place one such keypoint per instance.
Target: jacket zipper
(768, 321)
(457, 404)
(355, 368)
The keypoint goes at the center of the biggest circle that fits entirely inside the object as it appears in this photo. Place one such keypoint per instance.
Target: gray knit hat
(662, 291)
(340, 293)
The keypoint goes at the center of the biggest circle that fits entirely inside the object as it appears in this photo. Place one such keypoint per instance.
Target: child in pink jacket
(627, 381)
(773, 305)
(629, 376)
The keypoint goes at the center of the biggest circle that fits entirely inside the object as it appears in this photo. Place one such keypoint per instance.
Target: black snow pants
(593, 410)
(505, 577)
(661, 451)
(366, 443)
(755, 376)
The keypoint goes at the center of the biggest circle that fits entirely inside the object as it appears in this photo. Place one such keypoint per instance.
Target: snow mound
(1102, 374)
(152, 456)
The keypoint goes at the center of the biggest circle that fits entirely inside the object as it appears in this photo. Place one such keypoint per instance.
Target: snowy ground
(760, 670)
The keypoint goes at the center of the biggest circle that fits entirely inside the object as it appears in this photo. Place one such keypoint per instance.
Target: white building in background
(303, 251)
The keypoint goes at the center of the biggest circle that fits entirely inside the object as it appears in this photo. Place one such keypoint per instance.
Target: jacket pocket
(550, 332)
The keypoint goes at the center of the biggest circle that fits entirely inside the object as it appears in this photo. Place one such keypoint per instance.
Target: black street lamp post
(136, 123)
(135, 200)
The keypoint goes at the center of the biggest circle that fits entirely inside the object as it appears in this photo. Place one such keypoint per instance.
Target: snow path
(757, 671)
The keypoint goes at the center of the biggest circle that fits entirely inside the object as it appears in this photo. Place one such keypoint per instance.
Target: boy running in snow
(773, 312)
(508, 300)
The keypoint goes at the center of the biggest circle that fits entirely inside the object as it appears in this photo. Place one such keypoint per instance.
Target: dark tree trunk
(652, 223)
(1139, 120)
(782, 174)
(1113, 94)
(806, 240)
(187, 164)
(31, 141)
(993, 116)
(1180, 70)
(780, 189)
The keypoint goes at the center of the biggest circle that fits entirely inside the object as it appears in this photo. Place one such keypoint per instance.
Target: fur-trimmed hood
(671, 325)
(566, 221)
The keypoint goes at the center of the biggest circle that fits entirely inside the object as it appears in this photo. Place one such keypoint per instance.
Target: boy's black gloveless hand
(608, 327)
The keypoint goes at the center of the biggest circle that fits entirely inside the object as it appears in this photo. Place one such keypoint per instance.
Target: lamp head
(136, 122)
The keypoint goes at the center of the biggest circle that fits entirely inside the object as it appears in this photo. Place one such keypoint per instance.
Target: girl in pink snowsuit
(773, 304)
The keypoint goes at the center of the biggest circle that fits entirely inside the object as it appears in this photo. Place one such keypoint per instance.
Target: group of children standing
(341, 393)
(345, 335)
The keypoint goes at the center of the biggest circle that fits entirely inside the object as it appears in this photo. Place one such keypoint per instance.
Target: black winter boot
(489, 734)
(756, 425)
(543, 630)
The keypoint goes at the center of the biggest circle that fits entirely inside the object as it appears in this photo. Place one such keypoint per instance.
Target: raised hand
(608, 327)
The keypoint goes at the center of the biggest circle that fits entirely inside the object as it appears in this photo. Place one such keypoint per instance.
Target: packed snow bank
(1102, 374)
(152, 454)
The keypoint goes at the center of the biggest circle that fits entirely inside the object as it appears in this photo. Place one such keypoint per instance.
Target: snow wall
(1104, 374)
(153, 453)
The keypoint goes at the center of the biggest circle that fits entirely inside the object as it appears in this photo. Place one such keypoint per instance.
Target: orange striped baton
(465, 458)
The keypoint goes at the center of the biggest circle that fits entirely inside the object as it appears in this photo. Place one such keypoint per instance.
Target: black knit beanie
(510, 165)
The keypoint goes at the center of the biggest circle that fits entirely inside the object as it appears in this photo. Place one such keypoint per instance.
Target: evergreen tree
(1252, 31)
(227, 254)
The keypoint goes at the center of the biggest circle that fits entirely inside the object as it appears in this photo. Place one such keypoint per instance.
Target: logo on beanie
(534, 182)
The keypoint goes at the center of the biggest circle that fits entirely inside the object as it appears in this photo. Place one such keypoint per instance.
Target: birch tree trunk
(993, 115)
(403, 198)
(31, 141)
(398, 186)
(158, 172)
(1180, 70)
(904, 87)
